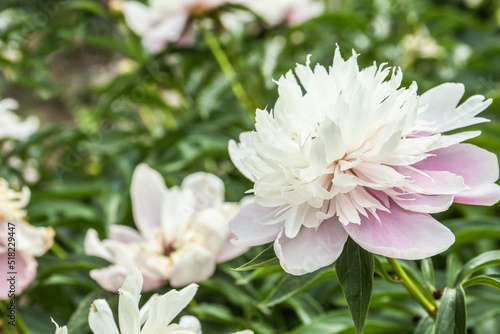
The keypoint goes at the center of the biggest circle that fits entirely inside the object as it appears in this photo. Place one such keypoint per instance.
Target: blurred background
(106, 103)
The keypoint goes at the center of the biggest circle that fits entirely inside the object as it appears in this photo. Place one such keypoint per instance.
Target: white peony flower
(155, 316)
(356, 155)
(183, 232)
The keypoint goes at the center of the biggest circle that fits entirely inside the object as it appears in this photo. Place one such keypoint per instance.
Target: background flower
(358, 156)
(29, 241)
(182, 233)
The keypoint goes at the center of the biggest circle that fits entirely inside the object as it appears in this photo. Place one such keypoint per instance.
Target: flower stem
(411, 286)
(228, 70)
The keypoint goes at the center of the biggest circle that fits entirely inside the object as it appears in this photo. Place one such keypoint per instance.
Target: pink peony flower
(182, 233)
(356, 155)
(164, 21)
(28, 241)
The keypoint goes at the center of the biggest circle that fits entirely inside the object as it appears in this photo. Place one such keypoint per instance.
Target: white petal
(101, 318)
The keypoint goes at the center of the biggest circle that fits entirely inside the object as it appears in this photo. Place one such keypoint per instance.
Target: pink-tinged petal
(431, 182)
(478, 167)
(25, 267)
(230, 250)
(312, 248)
(196, 265)
(147, 191)
(300, 13)
(110, 278)
(401, 234)
(207, 189)
(93, 246)
(424, 203)
(124, 234)
(247, 229)
(239, 152)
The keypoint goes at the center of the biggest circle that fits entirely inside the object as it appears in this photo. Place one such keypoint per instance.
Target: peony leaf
(266, 258)
(290, 285)
(482, 280)
(452, 315)
(425, 326)
(355, 268)
(487, 259)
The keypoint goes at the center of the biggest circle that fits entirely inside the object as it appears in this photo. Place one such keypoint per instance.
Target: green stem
(411, 286)
(228, 70)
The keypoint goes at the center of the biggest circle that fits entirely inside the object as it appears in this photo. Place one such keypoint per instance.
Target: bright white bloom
(358, 156)
(60, 330)
(154, 317)
(291, 12)
(183, 232)
(30, 241)
(163, 21)
(11, 125)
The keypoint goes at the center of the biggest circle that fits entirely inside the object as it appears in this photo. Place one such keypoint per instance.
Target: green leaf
(428, 271)
(425, 326)
(355, 268)
(291, 285)
(482, 280)
(451, 317)
(266, 258)
(484, 260)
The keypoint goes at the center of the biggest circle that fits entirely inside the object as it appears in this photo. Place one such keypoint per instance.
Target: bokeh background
(106, 104)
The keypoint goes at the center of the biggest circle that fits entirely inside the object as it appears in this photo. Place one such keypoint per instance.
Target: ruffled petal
(239, 152)
(312, 248)
(478, 167)
(401, 234)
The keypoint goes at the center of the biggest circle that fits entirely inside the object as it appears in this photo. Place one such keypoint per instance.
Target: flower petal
(139, 17)
(247, 229)
(478, 167)
(239, 152)
(312, 248)
(424, 203)
(26, 266)
(101, 318)
(93, 246)
(195, 265)
(190, 322)
(162, 310)
(230, 250)
(207, 189)
(401, 234)
(147, 191)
